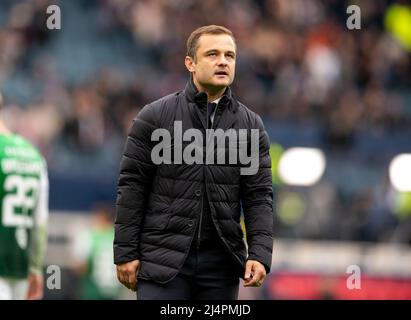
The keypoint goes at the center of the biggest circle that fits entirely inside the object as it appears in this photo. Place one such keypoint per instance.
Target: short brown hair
(192, 41)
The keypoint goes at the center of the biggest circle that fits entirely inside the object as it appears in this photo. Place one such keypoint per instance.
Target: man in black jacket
(181, 187)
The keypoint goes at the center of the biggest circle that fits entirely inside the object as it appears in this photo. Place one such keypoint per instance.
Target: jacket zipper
(200, 222)
(204, 187)
(211, 215)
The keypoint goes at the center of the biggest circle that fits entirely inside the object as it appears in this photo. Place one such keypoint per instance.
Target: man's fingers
(254, 275)
(127, 278)
(258, 279)
(132, 280)
(122, 277)
(127, 274)
(248, 270)
(254, 282)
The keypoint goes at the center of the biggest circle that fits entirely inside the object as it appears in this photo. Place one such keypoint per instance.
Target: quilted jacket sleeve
(136, 173)
(257, 203)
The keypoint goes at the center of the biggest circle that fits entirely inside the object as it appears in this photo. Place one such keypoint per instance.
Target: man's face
(214, 65)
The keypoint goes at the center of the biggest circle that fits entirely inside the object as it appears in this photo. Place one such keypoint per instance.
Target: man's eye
(212, 54)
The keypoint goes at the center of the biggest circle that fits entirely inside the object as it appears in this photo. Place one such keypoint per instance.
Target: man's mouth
(222, 73)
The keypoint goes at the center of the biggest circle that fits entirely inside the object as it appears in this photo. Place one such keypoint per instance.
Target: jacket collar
(200, 98)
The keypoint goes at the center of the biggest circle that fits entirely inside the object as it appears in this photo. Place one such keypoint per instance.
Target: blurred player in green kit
(93, 257)
(23, 216)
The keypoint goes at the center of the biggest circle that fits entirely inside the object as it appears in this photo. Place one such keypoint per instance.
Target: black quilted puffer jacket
(159, 206)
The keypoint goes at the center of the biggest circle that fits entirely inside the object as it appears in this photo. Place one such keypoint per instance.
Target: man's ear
(189, 62)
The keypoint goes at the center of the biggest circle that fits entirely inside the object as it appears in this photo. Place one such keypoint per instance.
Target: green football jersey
(23, 175)
(100, 281)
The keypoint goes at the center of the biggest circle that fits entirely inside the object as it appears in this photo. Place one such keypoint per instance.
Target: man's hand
(254, 274)
(127, 274)
(35, 286)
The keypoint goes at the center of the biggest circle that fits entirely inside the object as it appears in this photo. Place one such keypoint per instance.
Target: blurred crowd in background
(75, 91)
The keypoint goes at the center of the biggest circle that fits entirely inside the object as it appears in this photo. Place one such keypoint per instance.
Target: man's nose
(222, 60)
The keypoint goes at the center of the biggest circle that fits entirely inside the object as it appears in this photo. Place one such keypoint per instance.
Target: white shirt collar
(216, 101)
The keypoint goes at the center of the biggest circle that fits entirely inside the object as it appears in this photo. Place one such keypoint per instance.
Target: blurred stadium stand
(75, 91)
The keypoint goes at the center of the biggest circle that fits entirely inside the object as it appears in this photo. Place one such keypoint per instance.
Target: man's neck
(211, 94)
